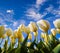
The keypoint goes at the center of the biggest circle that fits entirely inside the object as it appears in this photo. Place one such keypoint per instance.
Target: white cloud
(5, 25)
(50, 8)
(6, 18)
(10, 11)
(58, 2)
(32, 14)
(53, 11)
(18, 22)
(22, 21)
(39, 2)
(15, 23)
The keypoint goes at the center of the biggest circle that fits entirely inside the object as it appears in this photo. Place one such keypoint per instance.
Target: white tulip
(57, 23)
(33, 27)
(53, 31)
(9, 32)
(2, 30)
(43, 25)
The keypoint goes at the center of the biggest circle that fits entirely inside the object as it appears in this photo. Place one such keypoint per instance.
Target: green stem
(18, 44)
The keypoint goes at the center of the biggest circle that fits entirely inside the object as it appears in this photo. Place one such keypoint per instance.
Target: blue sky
(16, 12)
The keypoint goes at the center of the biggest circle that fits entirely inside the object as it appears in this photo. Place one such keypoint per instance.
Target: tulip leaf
(57, 49)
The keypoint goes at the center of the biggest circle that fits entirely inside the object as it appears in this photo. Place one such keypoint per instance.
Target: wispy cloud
(53, 11)
(33, 13)
(49, 9)
(16, 23)
(7, 19)
(10, 11)
(39, 2)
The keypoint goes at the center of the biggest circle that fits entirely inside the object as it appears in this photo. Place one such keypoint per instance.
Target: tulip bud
(9, 32)
(27, 30)
(12, 39)
(20, 35)
(43, 35)
(22, 27)
(58, 30)
(15, 34)
(57, 23)
(28, 44)
(35, 33)
(21, 39)
(33, 27)
(50, 37)
(2, 31)
(53, 31)
(3, 36)
(43, 25)
(30, 36)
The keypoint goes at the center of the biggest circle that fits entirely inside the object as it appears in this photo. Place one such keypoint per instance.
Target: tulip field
(48, 42)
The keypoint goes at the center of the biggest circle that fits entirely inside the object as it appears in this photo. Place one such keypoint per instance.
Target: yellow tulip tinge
(9, 32)
(15, 34)
(3, 36)
(30, 36)
(58, 30)
(27, 30)
(57, 23)
(35, 33)
(45, 37)
(22, 27)
(12, 39)
(20, 35)
(53, 31)
(50, 37)
(42, 35)
(2, 31)
(33, 27)
(28, 44)
(43, 25)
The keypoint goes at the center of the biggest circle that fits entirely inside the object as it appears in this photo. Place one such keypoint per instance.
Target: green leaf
(24, 42)
(57, 49)
(32, 44)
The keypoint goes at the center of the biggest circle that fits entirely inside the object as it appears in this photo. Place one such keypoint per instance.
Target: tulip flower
(12, 39)
(22, 27)
(20, 35)
(15, 34)
(2, 30)
(28, 44)
(53, 31)
(43, 35)
(27, 30)
(33, 27)
(43, 25)
(30, 36)
(50, 37)
(35, 33)
(9, 32)
(3, 36)
(21, 39)
(58, 30)
(57, 23)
